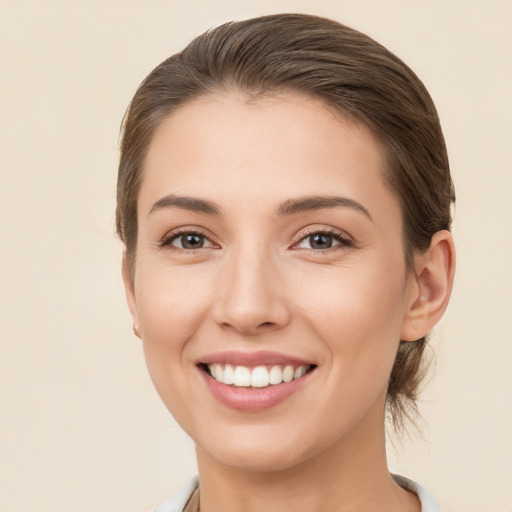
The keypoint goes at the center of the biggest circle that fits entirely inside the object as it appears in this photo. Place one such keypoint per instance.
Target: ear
(129, 289)
(432, 286)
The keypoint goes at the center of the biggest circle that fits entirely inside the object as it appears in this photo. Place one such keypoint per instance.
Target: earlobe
(435, 269)
(129, 289)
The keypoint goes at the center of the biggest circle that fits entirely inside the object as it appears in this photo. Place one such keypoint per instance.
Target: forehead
(262, 149)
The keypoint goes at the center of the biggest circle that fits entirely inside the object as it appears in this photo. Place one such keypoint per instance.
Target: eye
(323, 240)
(187, 241)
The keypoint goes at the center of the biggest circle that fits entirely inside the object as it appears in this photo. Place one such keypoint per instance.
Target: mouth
(254, 382)
(261, 376)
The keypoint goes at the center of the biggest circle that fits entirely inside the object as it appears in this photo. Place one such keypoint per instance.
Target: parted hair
(353, 75)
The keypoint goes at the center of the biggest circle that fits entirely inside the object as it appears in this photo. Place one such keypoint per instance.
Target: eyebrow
(311, 203)
(288, 207)
(192, 204)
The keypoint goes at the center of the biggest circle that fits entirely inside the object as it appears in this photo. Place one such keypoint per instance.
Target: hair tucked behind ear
(350, 73)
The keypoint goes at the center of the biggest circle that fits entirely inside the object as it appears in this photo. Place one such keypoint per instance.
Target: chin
(260, 450)
(259, 460)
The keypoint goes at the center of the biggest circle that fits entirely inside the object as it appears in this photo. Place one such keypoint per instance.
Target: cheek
(366, 298)
(171, 306)
(357, 318)
(171, 302)
(357, 314)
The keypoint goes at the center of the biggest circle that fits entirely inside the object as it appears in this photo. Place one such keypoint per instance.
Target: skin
(259, 284)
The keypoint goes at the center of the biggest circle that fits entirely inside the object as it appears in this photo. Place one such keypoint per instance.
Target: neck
(351, 476)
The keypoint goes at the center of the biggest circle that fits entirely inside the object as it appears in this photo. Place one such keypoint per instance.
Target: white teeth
(242, 377)
(275, 375)
(258, 377)
(288, 374)
(229, 374)
(218, 372)
(299, 372)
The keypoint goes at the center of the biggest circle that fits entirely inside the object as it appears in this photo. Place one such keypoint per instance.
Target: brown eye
(320, 241)
(189, 241)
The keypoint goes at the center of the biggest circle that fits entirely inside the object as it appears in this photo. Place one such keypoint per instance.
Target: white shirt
(177, 502)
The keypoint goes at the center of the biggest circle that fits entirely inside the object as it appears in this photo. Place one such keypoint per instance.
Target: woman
(284, 200)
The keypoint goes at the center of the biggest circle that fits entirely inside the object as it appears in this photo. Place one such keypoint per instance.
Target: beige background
(81, 428)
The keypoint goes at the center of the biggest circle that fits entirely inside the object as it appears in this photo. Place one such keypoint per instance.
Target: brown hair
(353, 75)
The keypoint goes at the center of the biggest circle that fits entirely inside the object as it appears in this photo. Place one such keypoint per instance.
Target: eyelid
(342, 237)
(173, 234)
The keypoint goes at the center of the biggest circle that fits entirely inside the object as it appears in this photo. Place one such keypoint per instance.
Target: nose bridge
(251, 299)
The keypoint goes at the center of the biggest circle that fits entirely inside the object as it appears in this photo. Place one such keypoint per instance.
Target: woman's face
(269, 246)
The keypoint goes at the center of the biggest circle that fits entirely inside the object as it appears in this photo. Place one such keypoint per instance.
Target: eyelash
(177, 233)
(343, 240)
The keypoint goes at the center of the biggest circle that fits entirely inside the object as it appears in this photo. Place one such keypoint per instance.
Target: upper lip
(260, 358)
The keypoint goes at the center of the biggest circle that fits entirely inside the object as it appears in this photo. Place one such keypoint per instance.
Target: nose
(251, 299)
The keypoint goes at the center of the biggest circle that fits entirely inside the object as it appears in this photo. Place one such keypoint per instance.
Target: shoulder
(428, 502)
(177, 502)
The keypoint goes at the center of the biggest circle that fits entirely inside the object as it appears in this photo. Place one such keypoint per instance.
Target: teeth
(258, 377)
(299, 372)
(218, 372)
(229, 374)
(288, 374)
(242, 377)
(275, 375)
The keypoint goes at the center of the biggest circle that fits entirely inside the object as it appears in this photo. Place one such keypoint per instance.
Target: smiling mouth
(255, 377)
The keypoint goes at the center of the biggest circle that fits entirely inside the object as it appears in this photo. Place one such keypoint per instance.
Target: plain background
(81, 428)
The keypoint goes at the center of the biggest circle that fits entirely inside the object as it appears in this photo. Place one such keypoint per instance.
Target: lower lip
(249, 399)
